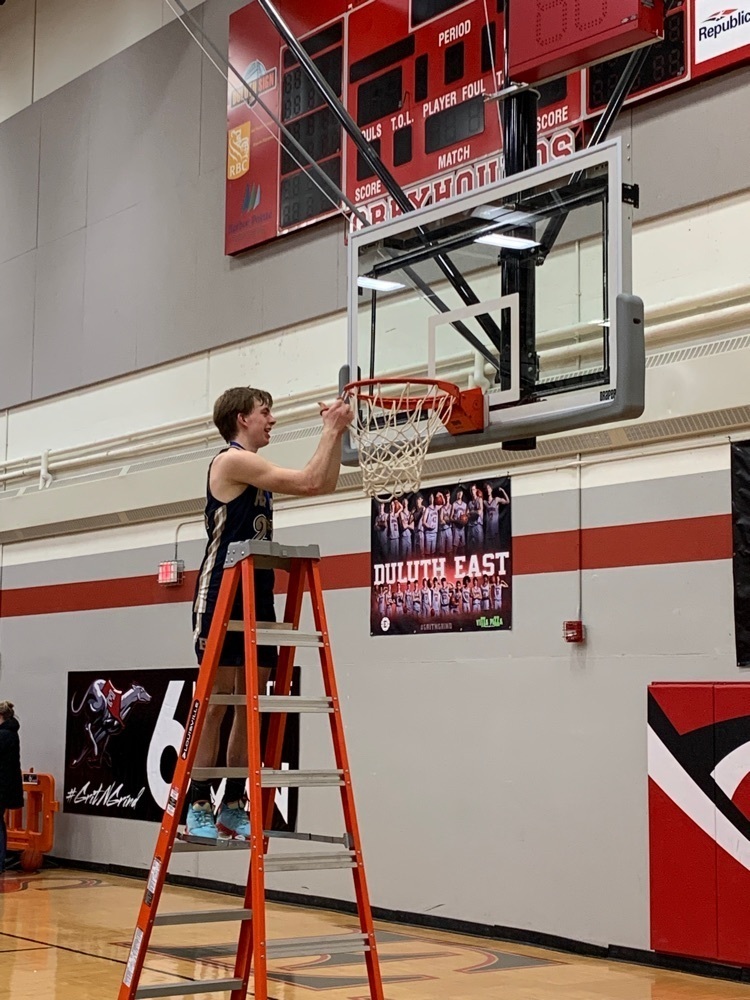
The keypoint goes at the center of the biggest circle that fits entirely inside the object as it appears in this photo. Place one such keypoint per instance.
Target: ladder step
(266, 634)
(299, 779)
(203, 916)
(188, 987)
(333, 945)
(309, 862)
(317, 838)
(273, 779)
(208, 773)
(293, 703)
(185, 844)
(277, 703)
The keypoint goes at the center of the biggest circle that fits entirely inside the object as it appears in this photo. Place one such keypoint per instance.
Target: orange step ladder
(254, 948)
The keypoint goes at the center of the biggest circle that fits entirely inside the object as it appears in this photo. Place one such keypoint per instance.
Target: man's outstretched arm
(318, 477)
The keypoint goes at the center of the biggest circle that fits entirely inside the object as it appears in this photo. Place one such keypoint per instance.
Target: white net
(394, 425)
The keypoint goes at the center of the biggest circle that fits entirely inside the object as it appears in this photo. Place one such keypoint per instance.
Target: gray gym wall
(111, 226)
(112, 205)
(499, 778)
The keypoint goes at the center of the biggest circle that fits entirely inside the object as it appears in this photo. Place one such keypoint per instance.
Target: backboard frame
(620, 397)
(500, 396)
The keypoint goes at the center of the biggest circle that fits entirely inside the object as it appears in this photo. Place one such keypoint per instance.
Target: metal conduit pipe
(132, 446)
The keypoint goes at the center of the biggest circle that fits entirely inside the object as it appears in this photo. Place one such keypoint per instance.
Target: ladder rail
(254, 930)
(282, 686)
(330, 686)
(178, 789)
(251, 931)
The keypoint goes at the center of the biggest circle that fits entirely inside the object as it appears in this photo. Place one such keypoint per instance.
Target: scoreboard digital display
(415, 75)
(454, 124)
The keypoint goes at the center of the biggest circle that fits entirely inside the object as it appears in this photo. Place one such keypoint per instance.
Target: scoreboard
(414, 75)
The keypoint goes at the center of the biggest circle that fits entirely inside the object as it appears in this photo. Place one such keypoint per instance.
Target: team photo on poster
(441, 560)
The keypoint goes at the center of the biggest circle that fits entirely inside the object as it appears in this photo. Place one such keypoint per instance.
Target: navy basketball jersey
(248, 517)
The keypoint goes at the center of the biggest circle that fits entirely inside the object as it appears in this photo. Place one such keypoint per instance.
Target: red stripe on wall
(344, 572)
(554, 552)
(689, 539)
(122, 592)
(693, 539)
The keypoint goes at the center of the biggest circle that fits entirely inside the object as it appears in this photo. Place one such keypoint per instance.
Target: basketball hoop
(395, 421)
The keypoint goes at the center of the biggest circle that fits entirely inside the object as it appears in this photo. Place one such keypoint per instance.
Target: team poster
(441, 560)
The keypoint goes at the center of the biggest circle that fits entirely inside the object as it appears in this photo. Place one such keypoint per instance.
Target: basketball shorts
(233, 650)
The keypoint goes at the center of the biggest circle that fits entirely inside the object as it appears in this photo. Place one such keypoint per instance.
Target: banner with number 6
(124, 730)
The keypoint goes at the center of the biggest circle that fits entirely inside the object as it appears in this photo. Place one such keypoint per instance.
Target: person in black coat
(11, 778)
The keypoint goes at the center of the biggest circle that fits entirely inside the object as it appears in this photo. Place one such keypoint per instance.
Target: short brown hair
(232, 403)
(6, 709)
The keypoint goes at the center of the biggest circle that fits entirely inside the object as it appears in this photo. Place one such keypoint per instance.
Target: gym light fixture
(379, 285)
(508, 242)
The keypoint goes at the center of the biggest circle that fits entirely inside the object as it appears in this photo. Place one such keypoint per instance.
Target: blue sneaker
(233, 823)
(200, 822)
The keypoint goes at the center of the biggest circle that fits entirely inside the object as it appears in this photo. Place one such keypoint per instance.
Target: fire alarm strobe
(574, 631)
(551, 37)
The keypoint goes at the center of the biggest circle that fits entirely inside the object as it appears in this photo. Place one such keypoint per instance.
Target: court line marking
(86, 954)
(14, 951)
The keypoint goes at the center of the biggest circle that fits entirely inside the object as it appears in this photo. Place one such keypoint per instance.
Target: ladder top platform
(269, 555)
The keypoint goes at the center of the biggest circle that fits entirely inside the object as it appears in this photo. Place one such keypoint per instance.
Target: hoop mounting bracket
(468, 413)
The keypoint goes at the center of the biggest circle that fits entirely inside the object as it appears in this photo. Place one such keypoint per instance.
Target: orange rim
(396, 402)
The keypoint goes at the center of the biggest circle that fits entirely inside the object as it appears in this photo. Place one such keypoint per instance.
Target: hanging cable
(246, 88)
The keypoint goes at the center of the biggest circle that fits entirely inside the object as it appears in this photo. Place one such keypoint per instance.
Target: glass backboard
(521, 288)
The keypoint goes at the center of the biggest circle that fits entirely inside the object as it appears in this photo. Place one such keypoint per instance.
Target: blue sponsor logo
(251, 199)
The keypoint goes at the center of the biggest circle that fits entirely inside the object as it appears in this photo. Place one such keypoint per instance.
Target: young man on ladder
(239, 506)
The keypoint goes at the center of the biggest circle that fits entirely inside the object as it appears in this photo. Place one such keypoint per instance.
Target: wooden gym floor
(65, 935)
